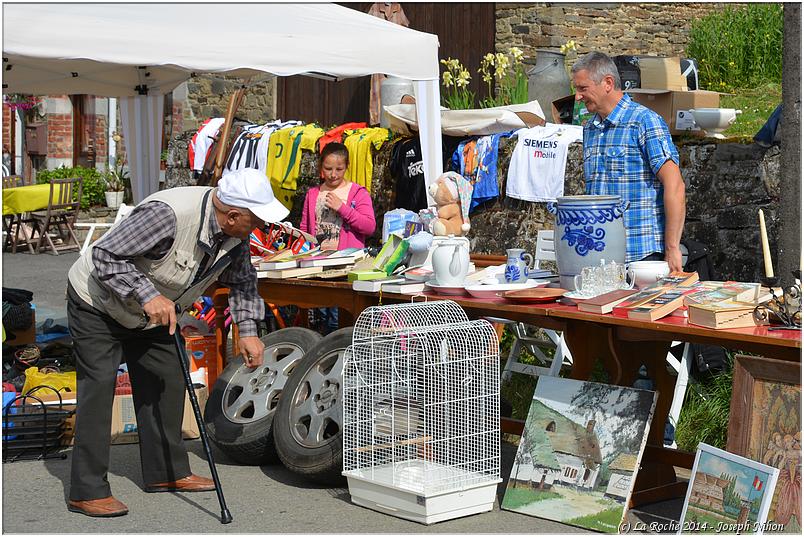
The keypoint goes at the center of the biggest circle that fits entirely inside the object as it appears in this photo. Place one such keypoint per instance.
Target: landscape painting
(579, 452)
(727, 493)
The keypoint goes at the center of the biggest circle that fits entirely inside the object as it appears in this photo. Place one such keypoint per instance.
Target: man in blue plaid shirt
(627, 151)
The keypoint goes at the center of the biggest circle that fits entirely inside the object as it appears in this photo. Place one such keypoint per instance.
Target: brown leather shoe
(102, 507)
(191, 483)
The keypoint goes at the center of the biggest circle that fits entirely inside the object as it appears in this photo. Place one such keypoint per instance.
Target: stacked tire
(289, 409)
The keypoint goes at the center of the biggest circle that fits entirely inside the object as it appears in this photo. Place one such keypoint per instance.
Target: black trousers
(99, 345)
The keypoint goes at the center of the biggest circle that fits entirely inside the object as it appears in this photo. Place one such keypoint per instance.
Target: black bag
(698, 260)
(628, 69)
(708, 360)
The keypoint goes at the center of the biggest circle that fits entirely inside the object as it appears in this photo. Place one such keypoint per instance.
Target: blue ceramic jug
(588, 229)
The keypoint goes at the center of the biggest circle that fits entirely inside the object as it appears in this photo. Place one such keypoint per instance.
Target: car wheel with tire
(241, 407)
(308, 423)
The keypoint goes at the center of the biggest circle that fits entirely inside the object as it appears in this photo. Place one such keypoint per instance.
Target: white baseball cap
(250, 189)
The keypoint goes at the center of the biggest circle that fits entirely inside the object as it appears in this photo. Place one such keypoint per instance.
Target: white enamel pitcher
(451, 261)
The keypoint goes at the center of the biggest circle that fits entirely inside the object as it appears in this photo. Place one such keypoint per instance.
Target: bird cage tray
(401, 493)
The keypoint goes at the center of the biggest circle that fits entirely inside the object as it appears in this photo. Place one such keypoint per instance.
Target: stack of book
(729, 305)
(285, 264)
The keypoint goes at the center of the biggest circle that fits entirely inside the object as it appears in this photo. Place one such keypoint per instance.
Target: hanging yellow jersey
(361, 161)
(284, 158)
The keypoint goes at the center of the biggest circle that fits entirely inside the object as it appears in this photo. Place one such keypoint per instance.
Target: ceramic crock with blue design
(588, 229)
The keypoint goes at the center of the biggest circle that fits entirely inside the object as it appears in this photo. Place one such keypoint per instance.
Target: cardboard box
(674, 106)
(661, 73)
(124, 421)
(202, 353)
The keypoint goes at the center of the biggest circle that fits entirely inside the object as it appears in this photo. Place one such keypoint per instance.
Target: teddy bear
(452, 194)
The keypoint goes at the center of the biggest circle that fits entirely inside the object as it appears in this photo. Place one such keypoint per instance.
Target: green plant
(116, 179)
(93, 185)
(504, 74)
(705, 413)
(738, 47)
(455, 79)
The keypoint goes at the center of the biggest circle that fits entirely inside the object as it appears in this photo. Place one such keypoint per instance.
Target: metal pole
(226, 516)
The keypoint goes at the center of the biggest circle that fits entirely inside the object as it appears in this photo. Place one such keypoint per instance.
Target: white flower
(516, 53)
(446, 78)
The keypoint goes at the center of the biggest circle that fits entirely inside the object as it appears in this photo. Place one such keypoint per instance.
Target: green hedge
(93, 185)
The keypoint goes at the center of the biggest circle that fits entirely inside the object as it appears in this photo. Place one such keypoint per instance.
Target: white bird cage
(421, 412)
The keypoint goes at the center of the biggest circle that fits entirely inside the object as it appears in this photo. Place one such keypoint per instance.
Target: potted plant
(115, 182)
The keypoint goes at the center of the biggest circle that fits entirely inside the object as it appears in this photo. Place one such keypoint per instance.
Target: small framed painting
(727, 493)
(765, 425)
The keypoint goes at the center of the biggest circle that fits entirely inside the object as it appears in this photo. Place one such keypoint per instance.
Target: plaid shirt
(112, 256)
(621, 155)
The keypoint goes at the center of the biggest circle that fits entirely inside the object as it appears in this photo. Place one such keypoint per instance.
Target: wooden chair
(13, 181)
(61, 213)
(12, 222)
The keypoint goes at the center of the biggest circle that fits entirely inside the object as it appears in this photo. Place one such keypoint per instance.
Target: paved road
(267, 499)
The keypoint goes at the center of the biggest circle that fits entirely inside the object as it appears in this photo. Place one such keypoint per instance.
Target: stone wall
(204, 97)
(615, 28)
(726, 184)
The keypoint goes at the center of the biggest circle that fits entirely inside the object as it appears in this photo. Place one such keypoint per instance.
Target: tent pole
(234, 103)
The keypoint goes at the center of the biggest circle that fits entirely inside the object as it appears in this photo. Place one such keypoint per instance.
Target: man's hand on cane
(161, 311)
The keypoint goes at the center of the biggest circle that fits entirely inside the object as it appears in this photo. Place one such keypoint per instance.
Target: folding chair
(545, 251)
(61, 213)
(122, 211)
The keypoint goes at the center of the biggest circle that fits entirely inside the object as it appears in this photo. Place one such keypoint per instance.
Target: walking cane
(226, 516)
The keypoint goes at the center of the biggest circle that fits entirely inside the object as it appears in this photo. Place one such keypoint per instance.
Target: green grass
(705, 413)
(518, 497)
(607, 521)
(757, 105)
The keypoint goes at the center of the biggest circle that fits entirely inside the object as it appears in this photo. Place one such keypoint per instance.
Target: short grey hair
(599, 65)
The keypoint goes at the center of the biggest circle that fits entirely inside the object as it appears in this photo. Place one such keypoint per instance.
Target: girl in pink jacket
(338, 213)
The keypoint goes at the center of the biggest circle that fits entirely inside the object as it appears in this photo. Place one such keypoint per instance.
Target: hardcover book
(605, 303)
(726, 314)
(289, 273)
(403, 288)
(374, 285)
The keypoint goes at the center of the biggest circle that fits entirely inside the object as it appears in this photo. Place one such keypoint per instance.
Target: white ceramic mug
(646, 273)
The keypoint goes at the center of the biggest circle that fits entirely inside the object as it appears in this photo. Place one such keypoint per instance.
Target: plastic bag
(394, 222)
(60, 381)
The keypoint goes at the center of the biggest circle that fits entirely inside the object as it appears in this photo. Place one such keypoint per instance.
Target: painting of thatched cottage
(575, 449)
(622, 473)
(578, 437)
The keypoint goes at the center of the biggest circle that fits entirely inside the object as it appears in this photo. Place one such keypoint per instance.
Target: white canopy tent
(139, 52)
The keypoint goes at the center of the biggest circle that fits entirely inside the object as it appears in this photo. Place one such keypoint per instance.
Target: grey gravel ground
(267, 499)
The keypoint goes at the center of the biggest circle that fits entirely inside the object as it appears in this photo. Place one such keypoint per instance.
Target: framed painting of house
(727, 494)
(579, 452)
(765, 426)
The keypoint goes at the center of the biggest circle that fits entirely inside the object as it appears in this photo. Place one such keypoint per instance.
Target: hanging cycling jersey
(250, 148)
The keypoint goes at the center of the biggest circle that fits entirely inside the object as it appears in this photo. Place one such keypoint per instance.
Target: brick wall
(614, 28)
(60, 133)
(8, 122)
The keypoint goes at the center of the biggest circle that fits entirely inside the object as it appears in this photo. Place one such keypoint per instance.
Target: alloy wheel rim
(316, 413)
(252, 394)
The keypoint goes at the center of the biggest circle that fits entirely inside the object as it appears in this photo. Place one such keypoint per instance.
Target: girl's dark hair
(334, 148)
